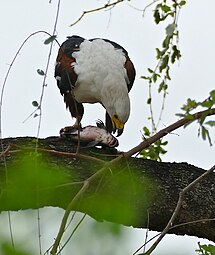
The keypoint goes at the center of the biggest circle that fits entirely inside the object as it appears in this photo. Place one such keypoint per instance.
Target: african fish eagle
(95, 71)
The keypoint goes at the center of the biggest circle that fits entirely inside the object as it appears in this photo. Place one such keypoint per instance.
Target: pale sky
(193, 77)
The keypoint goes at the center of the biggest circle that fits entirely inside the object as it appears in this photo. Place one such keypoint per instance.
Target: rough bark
(137, 192)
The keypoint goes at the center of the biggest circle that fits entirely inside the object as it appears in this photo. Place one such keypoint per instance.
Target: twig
(5, 152)
(96, 10)
(71, 235)
(74, 155)
(173, 227)
(74, 202)
(45, 76)
(178, 207)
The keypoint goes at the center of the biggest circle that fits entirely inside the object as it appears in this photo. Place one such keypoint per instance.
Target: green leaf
(160, 53)
(210, 123)
(149, 100)
(40, 72)
(157, 16)
(206, 249)
(164, 63)
(154, 77)
(35, 103)
(7, 249)
(150, 70)
(166, 42)
(170, 29)
(207, 103)
(212, 95)
(176, 54)
(179, 115)
(32, 177)
(145, 77)
(182, 3)
(50, 39)
(146, 131)
(165, 8)
(205, 134)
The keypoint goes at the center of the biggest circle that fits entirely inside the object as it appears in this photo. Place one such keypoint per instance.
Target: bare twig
(74, 155)
(72, 204)
(71, 235)
(5, 152)
(173, 227)
(178, 207)
(108, 5)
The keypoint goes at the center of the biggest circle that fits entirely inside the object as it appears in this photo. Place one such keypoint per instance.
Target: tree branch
(123, 181)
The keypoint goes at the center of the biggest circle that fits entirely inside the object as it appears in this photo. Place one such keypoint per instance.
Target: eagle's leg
(76, 110)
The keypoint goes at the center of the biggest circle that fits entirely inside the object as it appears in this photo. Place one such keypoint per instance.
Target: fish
(91, 136)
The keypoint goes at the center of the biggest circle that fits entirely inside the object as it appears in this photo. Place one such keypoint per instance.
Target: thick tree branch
(124, 194)
(98, 184)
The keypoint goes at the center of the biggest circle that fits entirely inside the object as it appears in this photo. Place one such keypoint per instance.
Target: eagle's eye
(115, 116)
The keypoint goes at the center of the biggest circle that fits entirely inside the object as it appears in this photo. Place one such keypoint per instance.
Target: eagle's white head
(116, 101)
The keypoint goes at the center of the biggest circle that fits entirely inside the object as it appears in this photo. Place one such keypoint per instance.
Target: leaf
(182, 3)
(149, 100)
(164, 63)
(176, 54)
(35, 103)
(160, 53)
(206, 135)
(7, 249)
(146, 131)
(212, 95)
(170, 29)
(210, 123)
(145, 77)
(165, 8)
(50, 39)
(166, 42)
(209, 249)
(150, 70)
(207, 103)
(40, 72)
(154, 77)
(157, 16)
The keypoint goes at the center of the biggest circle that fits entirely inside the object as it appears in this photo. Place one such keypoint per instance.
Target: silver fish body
(91, 135)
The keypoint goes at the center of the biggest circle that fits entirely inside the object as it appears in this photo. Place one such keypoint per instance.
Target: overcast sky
(193, 77)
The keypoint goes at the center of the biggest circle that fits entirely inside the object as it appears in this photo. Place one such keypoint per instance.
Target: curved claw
(100, 124)
(119, 131)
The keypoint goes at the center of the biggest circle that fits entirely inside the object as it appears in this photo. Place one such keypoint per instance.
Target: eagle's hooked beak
(117, 125)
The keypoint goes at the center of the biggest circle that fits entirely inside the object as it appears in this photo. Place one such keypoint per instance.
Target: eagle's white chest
(100, 68)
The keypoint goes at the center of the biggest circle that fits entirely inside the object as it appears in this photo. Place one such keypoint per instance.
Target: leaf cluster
(169, 52)
(155, 150)
(206, 249)
(166, 55)
(204, 126)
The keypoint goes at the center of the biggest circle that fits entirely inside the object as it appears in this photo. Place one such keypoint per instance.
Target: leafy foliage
(155, 150)
(206, 249)
(7, 249)
(206, 104)
(166, 55)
